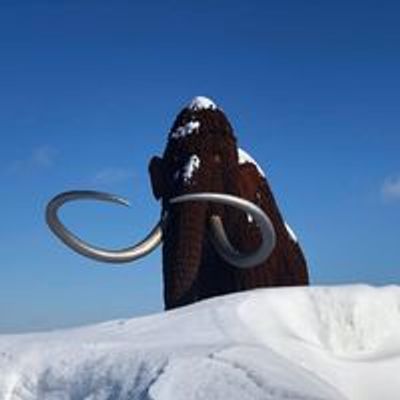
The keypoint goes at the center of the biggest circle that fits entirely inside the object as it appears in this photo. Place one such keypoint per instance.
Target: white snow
(291, 232)
(298, 343)
(188, 129)
(244, 157)
(202, 103)
(190, 167)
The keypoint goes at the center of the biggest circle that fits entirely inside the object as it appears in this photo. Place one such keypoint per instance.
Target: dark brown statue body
(202, 156)
(220, 226)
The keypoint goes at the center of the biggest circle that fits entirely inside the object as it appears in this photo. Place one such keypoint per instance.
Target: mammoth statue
(220, 227)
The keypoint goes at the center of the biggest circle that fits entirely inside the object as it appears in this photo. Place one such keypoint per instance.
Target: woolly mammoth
(220, 228)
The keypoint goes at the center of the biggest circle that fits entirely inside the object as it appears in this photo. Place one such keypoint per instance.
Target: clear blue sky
(89, 90)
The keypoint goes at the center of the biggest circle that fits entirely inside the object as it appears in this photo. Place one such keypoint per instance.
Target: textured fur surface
(192, 269)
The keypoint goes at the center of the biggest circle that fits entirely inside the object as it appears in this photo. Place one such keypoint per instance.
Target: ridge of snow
(291, 232)
(187, 129)
(302, 343)
(245, 157)
(202, 103)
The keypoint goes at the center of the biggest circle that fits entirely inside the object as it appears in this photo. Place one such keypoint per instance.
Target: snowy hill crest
(289, 343)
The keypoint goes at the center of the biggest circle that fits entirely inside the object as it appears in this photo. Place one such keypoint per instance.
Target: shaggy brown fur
(192, 269)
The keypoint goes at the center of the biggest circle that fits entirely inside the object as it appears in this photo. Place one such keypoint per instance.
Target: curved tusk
(148, 244)
(221, 241)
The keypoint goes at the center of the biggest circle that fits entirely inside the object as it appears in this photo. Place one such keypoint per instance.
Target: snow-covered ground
(338, 342)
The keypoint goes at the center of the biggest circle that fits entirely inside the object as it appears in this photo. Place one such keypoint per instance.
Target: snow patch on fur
(202, 103)
(188, 129)
(190, 168)
(245, 157)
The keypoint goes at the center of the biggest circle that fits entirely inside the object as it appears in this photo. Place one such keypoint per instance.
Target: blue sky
(89, 90)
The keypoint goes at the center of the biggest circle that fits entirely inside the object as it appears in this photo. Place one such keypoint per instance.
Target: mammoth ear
(157, 176)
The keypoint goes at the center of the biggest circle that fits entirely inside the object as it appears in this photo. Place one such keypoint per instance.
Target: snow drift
(288, 343)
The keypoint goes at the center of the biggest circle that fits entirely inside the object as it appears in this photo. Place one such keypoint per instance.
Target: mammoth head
(200, 155)
(195, 173)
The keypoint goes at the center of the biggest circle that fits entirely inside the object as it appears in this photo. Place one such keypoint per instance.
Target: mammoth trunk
(182, 253)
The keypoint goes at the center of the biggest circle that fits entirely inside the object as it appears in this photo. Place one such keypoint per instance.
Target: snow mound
(285, 343)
